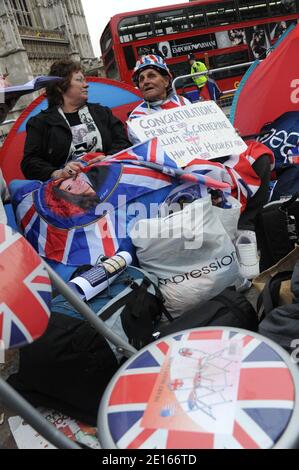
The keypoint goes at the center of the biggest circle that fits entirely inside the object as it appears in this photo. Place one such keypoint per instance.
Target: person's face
(153, 85)
(77, 92)
(259, 34)
(78, 184)
(82, 133)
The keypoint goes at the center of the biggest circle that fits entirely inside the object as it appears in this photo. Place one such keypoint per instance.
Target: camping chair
(205, 388)
(25, 293)
(262, 403)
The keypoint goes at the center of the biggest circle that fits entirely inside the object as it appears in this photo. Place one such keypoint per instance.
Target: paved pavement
(10, 366)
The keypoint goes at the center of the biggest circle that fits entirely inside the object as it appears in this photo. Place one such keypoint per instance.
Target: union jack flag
(25, 291)
(75, 237)
(237, 171)
(150, 151)
(264, 404)
(146, 108)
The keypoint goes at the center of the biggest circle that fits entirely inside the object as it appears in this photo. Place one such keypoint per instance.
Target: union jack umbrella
(25, 291)
(263, 405)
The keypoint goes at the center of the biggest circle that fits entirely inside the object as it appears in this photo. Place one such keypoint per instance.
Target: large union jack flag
(67, 235)
(25, 291)
(263, 404)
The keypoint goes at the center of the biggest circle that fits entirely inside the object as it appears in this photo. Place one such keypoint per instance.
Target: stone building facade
(35, 33)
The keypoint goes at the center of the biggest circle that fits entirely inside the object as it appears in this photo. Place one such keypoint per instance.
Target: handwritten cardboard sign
(199, 130)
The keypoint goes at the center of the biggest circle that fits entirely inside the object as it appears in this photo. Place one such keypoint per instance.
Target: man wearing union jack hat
(153, 78)
(249, 171)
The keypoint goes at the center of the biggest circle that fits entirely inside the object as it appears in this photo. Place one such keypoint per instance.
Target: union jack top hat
(152, 61)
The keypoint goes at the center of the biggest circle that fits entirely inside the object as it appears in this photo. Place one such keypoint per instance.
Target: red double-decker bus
(222, 33)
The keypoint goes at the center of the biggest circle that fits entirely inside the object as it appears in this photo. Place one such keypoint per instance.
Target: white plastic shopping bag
(230, 217)
(190, 252)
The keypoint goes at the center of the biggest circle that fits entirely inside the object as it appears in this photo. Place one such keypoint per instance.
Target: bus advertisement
(220, 33)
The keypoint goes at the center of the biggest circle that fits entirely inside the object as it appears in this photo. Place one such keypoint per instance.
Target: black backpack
(277, 228)
(280, 323)
(229, 308)
(69, 367)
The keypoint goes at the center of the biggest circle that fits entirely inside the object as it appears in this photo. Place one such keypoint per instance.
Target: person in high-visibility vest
(198, 66)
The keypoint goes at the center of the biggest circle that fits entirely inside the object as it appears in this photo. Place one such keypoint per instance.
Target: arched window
(21, 12)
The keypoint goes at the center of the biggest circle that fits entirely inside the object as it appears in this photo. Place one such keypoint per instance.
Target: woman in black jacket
(71, 127)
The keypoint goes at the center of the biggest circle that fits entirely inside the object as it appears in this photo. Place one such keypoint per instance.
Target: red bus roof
(175, 6)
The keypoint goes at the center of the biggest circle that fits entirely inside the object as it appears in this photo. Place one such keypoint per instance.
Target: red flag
(271, 89)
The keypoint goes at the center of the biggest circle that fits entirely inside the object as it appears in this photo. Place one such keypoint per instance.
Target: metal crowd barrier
(227, 95)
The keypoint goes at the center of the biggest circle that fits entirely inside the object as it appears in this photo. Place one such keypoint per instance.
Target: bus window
(278, 29)
(106, 40)
(135, 28)
(109, 57)
(169, 22)
(225, 60)
(250, 9)
(197, 17)
(130, 57)
(275, 8)
(221, 13)
(112, 71)
(281, 7)
(179, 69)
(289, 6)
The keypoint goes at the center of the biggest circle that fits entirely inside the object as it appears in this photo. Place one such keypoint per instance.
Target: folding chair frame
(15, 401)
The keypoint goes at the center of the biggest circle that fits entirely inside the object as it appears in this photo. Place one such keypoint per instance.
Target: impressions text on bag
(216, 265)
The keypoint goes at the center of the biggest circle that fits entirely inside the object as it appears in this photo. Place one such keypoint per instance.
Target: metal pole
(122, 346)
(208, 72)
(9, 121)
(16, 402)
